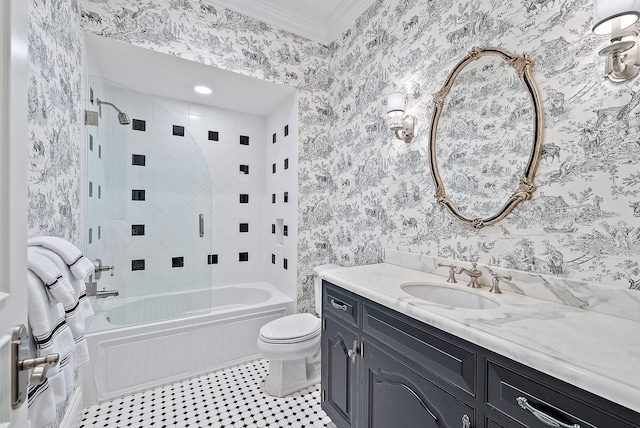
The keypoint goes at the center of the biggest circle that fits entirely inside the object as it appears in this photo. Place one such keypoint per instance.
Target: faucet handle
(495, 282)
(452, 272)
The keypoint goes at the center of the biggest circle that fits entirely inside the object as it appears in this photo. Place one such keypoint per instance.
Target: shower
(122, 117)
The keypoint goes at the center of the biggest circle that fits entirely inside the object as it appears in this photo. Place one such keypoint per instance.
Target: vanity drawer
(437, 355)
(340, 303)
(508, 388)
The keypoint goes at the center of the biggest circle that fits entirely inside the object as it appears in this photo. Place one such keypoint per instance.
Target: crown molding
(322, 32)
(344, 16)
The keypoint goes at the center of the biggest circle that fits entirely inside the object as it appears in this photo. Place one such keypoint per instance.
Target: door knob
(20, 366)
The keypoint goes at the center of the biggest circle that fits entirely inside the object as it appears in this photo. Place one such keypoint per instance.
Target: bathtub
(145, 342)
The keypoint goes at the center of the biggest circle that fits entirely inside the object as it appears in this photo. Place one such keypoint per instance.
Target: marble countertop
(596, 352)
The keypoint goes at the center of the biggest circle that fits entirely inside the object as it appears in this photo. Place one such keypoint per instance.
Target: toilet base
(288, 376)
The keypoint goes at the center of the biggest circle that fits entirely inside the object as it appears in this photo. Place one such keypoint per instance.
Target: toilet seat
(291, 329)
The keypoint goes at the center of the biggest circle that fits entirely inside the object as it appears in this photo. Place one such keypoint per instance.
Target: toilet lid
(296, 327)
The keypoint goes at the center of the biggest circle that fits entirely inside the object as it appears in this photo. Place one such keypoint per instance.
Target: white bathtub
(158, 350)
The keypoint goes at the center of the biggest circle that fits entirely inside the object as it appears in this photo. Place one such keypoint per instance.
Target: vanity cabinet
(383, 369)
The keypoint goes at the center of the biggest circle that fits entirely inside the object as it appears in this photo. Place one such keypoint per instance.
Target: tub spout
(101, 294)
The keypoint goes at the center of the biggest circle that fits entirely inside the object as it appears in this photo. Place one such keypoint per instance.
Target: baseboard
(73, 415)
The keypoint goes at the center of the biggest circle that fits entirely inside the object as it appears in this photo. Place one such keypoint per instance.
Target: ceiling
(154, 73)
(322, 21)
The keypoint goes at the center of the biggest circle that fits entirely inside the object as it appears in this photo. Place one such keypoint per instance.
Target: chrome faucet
(101, 294)
(452, 272)
(495, 282)
(99, 268)
(474, 274)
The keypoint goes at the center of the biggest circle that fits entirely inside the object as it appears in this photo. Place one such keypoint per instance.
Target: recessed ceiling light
(202, 90)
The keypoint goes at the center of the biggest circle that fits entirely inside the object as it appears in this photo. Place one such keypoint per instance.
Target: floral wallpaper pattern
(361, 191)
(55, 87)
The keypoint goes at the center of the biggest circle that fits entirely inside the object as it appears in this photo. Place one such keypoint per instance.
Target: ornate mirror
(486, 136)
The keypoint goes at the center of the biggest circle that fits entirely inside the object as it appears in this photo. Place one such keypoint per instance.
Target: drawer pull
(543, 417)
(353, 353)
(339, 305)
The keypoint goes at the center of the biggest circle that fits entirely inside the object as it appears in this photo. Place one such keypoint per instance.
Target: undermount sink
(449, 296)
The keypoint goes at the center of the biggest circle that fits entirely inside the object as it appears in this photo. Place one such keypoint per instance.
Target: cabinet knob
(466, 422)
(543, 417)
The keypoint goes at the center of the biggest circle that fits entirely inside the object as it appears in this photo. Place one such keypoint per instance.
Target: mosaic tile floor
(232, 397)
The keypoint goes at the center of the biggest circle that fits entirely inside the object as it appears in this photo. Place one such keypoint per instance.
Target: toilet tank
(317, 283)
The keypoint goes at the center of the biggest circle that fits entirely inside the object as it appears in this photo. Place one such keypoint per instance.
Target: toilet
(292, 346)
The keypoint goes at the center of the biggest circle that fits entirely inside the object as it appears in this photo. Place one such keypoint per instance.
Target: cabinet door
(394, 395)
(339, 372)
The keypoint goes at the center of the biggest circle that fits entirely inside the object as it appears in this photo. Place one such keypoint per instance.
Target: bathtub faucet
(99, 268)
(101, 294)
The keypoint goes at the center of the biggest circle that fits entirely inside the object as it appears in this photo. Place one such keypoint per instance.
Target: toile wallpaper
(55, 88)
(362, 191)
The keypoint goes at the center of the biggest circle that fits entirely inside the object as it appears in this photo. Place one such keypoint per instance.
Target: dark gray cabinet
(382, 369)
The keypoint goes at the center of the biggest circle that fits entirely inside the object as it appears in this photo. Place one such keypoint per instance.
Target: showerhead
(122, 117)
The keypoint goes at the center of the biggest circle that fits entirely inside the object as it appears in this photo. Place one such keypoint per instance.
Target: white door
(13, 193)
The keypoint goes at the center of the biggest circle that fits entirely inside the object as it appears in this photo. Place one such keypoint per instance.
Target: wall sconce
(402, 126)
(622, 56)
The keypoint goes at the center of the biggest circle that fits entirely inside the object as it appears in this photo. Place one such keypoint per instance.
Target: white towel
(51, 276)
(79, 265)
(50, 334)
(77, 309)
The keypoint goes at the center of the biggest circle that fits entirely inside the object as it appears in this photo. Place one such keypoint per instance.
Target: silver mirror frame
(522, 65)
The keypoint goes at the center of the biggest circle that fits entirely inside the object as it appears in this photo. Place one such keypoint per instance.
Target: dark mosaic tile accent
(139, 125)
(138, 195)
(273, 259)
(286, 130)
(90, 189)
(138, 160)
(177, 262)
(286, 163)
(212, 259)
(286, 197)
(244, 169)
(90, 142)
(99, 232)
(244, 140)
(213, 136)
(273, 139)
(273, 198)
(137, 264)
(90, 235)
(244, 227)
(178, 130)
(99, 151)
(137, 230)
(286, 231)
(243, 257)
(244, 198)
(273, 168)
(285, 263)
(273, 228)
(99, 192)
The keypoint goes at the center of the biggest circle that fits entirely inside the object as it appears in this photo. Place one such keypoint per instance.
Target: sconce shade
(395, 103)
(604, 12)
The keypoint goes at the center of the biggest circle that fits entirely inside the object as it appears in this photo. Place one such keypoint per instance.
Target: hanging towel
(79, 265)
(61, 290)
(75, 314)
(50, 333)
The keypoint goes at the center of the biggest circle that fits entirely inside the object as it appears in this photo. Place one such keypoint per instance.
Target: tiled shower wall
(147, 185)
(282, 189)
(150, 180)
